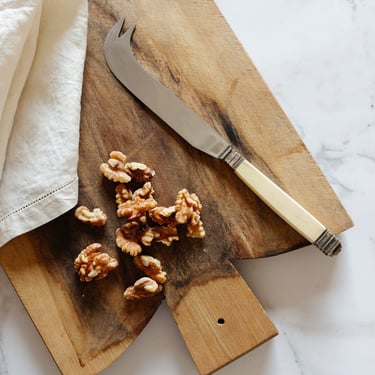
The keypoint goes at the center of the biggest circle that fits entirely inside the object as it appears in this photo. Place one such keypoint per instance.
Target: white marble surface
(318, 57)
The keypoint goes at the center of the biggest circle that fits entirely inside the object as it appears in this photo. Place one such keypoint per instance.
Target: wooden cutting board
(189, 47)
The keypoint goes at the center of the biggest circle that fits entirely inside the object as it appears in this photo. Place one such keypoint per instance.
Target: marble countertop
(318, 58)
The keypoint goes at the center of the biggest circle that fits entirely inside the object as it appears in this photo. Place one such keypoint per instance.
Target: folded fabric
(42, 52)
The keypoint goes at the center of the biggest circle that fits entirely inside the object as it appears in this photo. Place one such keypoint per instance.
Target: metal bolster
(328, 243)
(231, 157)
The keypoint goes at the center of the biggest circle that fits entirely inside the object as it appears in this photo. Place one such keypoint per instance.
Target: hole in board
(220, 321)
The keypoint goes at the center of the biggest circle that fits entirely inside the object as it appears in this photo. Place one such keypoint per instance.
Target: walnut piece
(186, 205)
(164, 215)
(146, 191)
(96, 217)
(165, 234)
(130, 236)
(115, 168)
(188, 209)
(195, 228)
(134, 205)
(123, 194)
(92, 264)
(139, 172)
(151, 267)
(143, 288)
(135, 208)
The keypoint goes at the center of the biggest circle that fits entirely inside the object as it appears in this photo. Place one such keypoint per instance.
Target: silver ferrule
(233, 158)
(328, 243)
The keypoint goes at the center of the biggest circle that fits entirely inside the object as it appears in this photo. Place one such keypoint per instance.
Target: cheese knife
(191, 127)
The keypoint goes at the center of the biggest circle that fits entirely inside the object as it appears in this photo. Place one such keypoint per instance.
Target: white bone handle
(286, 207)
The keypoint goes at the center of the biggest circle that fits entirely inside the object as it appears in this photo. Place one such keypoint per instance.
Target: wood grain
(189, 47)
(84, 325)
(220, 319)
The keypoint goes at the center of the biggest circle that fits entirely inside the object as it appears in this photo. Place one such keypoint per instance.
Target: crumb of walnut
(165, 234)
(188, 209)
(139, 172)
(132, 234)
(96, 217)
(143, 288)
(115, 168)
(151, 267)
(92, 264)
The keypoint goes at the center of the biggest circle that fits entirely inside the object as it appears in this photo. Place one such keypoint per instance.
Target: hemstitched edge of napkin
(47, 207)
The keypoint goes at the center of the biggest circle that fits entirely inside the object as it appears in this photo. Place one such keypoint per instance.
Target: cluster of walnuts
(145, 222)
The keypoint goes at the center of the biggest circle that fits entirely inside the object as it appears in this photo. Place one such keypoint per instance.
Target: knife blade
(198, 133)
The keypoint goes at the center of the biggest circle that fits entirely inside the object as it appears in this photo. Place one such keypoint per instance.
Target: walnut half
(96, 217)
(188, 210)
(139, 172)
(151, 267)
(144, 287)
(92, 264)
(117, 169)
(130, 236)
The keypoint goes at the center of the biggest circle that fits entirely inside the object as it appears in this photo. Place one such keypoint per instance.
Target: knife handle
(287, 208)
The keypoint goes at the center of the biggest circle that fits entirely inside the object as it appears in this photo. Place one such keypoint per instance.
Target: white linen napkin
(42, 52)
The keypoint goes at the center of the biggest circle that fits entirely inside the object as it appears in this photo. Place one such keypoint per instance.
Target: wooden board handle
(221, 319)
(287, 208)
